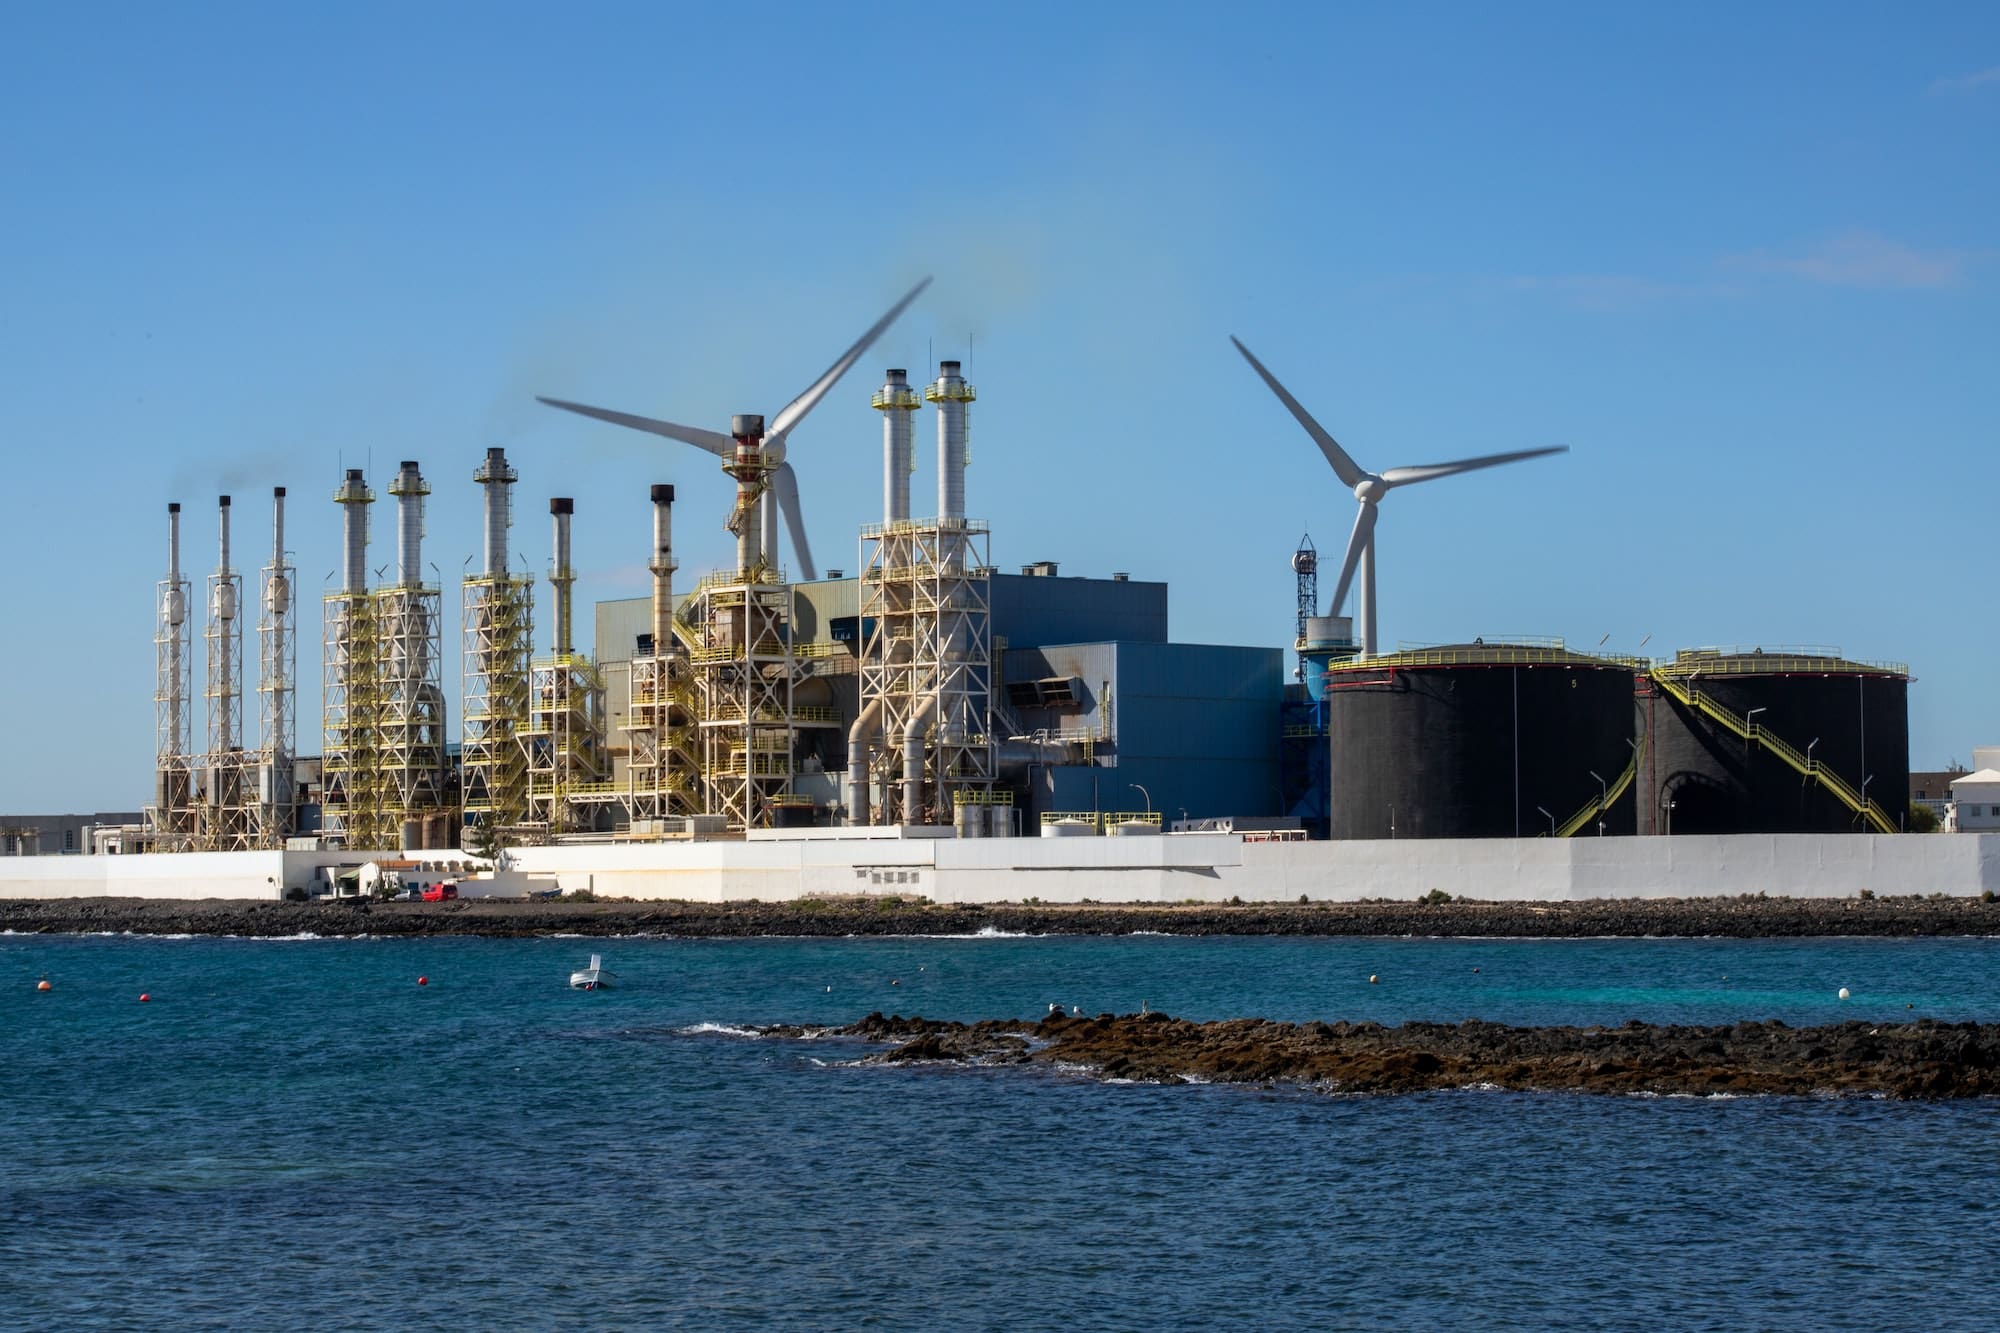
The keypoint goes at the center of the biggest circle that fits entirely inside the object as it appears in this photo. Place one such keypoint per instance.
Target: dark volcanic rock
(1917, 1059)
(1739, 917)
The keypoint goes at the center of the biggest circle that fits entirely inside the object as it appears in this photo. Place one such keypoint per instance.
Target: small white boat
(593, 977)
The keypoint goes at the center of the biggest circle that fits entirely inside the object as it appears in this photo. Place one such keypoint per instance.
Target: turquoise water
(295, 1134)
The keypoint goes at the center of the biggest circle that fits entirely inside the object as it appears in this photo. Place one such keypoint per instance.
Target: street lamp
(1603, 799)
(1814, 741)
(1667, 805)
(1143, 792)
(1551, 818)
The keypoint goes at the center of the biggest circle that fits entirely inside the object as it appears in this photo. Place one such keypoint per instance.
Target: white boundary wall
(1202, 867)
(253, 875)
(1209, 867)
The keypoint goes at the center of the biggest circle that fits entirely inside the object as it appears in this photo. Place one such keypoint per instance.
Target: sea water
(295, 1133)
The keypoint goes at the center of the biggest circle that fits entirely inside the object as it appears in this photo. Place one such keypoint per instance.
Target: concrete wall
(1204, 867)
(254, 875)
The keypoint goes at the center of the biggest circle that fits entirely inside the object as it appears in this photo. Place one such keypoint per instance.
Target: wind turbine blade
(781, 425)
(714, 441)
(786, 483)
(1343, 466)
(1409, 476)
(1364, 528)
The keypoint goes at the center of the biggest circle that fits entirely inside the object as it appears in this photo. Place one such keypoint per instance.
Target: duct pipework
(865, 728)
(354, 497)
(561, 576)
(952, 395)
(277, 607)
(409, 489)
(895, 401)
(913, 758)
(663, 567)
(495, 476)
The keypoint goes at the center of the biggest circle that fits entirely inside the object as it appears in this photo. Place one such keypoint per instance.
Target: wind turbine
(783, 489)
(1369, 488)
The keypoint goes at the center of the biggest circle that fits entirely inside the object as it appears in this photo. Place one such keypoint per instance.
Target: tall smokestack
(952, 395)
(749, 521)
(495, 477)
(354, 497)
(222, 608)
(409, 489)
(663, 567)
(170, 694)
(895, 400)
(561, 576)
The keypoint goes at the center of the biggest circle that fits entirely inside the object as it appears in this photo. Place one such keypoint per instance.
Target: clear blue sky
(1742, 259)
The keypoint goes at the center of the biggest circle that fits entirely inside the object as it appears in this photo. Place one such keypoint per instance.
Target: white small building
(1975, 802)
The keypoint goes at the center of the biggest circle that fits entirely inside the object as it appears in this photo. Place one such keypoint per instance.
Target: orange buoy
(423, 981)
(145, 998)
(43, 984)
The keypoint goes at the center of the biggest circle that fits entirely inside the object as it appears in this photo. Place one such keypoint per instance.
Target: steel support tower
(410, 722)
(663, 768)
(351, 809)
(498, 629)
(170, 818)
(277, 693)
(564, 739)
(225, 824)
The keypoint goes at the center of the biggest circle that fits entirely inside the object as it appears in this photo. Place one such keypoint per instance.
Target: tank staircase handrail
(1756, 733)
(1606, 798)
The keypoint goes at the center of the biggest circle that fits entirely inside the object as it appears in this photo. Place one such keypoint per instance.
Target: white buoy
(1843, 992)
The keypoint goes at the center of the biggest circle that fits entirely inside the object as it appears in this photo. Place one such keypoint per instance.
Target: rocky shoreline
(1744, 918)
(1920, 1059)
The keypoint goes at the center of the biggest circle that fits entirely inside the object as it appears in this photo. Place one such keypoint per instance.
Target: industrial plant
(930, 690)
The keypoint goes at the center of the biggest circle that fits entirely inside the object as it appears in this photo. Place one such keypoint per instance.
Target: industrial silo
(1479, 740)
(1774, 741)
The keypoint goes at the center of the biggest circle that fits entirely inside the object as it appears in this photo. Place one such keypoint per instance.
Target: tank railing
(981, 796)
(1490, 654)
(1606, 798)
(1758, 734)
(1768, 661)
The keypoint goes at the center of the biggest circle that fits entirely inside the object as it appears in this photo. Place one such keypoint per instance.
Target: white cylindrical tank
(1000, 821)
(1068, 828)
(970, 820)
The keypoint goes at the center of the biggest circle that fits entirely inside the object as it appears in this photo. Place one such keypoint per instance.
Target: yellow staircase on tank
(1753, 733)
(1594, 809)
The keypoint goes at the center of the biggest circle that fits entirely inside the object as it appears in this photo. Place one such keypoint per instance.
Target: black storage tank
(1701, 776)
(1477, 740)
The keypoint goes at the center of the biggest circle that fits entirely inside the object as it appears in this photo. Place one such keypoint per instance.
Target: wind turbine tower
(1369, 489)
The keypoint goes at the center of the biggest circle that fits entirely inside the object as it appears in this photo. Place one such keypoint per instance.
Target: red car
(438, 893)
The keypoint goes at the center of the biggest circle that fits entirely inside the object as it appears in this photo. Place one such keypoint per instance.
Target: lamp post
(1809, 747)
(1667, 804)
(1551, 818)
(1143, 792)
(1603, 799)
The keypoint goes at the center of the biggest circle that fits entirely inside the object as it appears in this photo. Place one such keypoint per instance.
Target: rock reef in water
(1742, 918)
(1921, 1059)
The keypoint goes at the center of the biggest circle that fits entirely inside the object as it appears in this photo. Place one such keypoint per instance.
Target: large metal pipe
(913, 758)
(495, 476)
(663, 567)
(277, 609)
(865, 728)
(952, 395)
(354, 497)
(896, 401)
(409, 489)
(561, 576)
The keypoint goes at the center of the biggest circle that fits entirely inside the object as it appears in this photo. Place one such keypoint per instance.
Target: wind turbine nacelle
(1370, 489)
(747, 426)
